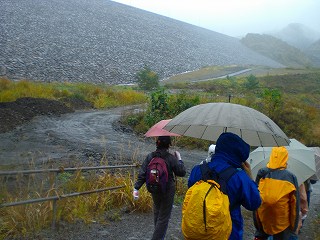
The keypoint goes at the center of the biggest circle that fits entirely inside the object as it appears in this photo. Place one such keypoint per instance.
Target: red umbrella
(157, 130)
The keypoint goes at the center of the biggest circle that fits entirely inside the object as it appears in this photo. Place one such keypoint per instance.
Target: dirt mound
(13, 114)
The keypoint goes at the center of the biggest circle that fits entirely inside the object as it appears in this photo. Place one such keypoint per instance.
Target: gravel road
(84, 136)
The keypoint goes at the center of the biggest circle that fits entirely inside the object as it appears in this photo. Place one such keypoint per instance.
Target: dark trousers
(162, 206)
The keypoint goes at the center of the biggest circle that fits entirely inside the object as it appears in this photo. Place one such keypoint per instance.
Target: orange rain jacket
(279, 192)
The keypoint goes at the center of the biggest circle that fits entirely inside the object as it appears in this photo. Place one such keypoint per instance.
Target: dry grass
(101, 96)
(23, 220)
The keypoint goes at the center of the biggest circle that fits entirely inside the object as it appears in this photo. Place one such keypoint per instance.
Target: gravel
(101, 41)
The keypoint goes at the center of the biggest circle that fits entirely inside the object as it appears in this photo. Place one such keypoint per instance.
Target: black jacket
(175, 167)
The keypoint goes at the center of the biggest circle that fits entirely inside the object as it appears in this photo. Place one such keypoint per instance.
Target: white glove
(135, 194)
(177, 154)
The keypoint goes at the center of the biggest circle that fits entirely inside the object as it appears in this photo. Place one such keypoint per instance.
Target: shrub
(147, 79)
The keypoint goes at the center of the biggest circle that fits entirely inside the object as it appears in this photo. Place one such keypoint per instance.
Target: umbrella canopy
(208, 121)
(157, 130)
(317, 158)
(301, 160)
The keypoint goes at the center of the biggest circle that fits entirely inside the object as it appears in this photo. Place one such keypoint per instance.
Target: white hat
(211, 151)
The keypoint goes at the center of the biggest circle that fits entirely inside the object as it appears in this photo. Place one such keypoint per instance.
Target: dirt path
(83, 136)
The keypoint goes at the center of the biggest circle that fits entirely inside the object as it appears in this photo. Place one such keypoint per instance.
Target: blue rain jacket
(231, 150)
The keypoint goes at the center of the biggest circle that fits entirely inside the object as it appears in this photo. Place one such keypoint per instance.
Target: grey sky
(236, 17)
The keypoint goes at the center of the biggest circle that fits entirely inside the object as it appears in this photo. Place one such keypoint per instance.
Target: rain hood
(278, 158)
(232, 149)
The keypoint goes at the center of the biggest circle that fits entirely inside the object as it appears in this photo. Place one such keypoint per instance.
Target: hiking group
(219, 186)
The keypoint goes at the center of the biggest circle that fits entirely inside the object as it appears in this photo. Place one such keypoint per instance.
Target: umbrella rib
(186, 130)
(204, 132)
(275, 140)
(260, 139)
(287, 141)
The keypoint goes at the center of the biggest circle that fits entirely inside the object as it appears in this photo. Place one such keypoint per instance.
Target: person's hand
(304, 216)
(177, 154)
(246, 167)
(135, 194)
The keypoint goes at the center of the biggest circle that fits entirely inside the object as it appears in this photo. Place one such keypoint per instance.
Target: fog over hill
(277, 50)
(314, 52)
(298, 35)
(104, 41)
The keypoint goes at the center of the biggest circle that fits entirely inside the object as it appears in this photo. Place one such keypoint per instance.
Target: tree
(272, 101)
(252, 82)
(158, 108)
(147, 79)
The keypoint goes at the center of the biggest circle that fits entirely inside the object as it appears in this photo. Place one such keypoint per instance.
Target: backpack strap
(204, 212)
(224, 176)
(206, 172)
(156, 154)
(266, 171)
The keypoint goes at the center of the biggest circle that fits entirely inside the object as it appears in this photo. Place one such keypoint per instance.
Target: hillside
(313, 52)
(104, 41)
(298, 35)
(277, 50)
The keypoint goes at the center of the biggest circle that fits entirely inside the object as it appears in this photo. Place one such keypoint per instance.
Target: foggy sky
(236, 17)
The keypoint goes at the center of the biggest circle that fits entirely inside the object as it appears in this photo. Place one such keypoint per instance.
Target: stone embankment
(104, 41)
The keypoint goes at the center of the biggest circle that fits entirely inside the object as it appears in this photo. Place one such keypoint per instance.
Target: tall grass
(26, 220)
(101, 96)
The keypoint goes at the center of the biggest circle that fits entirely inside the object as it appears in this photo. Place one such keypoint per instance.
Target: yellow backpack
(205, 211)
(277, 210)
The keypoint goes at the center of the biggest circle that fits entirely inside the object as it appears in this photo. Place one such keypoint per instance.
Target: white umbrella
(317, 157)
(301, 160)
(208, 121)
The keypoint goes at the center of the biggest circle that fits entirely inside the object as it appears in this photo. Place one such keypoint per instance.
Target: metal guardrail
(56, 198)
(61, 169)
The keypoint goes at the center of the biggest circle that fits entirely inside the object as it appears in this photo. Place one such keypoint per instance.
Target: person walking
(308, 185)
(232, 151)
(162, 201)
(278, 215)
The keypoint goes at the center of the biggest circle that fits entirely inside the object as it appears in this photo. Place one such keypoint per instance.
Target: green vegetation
(291, 100)
(290, 97)
(147, 79)
(251, 82)
(101, 96)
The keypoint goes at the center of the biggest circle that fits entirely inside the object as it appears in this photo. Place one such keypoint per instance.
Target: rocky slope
(104, 41)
